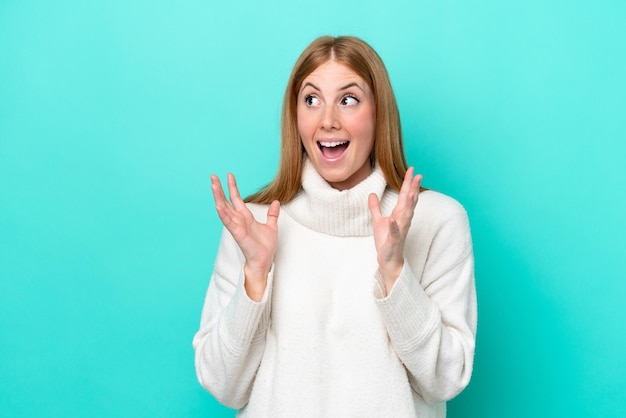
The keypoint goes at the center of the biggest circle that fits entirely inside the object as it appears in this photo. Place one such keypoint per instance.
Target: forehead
(332, 72)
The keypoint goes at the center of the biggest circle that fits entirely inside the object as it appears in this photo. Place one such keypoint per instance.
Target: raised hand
(256, 240)
(390, 232)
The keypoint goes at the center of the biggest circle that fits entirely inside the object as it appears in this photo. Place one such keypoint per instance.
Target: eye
(311, 100)
(349, 100)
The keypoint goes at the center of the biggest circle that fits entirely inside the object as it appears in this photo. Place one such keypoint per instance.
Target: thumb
(374, 206)
(272, 213)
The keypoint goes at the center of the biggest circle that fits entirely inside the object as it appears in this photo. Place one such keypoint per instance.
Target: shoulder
(443, 219)
(437, 214)
(438, 205)
(431, 206)
(440, 228)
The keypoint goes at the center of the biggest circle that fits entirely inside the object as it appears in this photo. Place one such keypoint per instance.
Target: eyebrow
(347, 86)
(353, 84)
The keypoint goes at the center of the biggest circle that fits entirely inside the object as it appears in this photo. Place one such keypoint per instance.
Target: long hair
(388, 150)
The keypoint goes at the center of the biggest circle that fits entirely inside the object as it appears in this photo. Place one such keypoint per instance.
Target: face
(337, 121)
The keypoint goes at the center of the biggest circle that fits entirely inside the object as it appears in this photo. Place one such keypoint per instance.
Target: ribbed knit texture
(343, 213)
(325, 341)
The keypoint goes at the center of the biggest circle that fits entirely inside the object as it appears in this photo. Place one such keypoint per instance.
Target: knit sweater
(325, 340)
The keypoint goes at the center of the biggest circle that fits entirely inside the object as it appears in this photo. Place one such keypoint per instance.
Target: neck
(321, 207)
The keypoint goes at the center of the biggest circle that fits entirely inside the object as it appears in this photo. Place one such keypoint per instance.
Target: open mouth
(332, 149)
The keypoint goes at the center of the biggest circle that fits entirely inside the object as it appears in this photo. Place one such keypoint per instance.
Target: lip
(330, 143)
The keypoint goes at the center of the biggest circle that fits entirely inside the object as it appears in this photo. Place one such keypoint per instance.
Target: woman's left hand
(390, 231)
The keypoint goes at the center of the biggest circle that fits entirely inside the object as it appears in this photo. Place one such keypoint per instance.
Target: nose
(330, 118)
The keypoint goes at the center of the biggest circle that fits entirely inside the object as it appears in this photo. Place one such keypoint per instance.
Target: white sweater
(325, 341)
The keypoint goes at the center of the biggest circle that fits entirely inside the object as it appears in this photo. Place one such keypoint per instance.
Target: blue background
(113, 114)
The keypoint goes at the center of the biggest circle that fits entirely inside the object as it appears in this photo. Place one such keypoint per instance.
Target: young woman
(334, 292)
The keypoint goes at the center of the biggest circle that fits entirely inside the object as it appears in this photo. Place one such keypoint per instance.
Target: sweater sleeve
(431, 319)
(230, 342)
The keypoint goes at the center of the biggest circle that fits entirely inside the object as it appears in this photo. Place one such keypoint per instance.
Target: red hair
(388, 149)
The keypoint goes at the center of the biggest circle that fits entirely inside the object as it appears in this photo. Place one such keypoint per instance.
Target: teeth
(332, 144)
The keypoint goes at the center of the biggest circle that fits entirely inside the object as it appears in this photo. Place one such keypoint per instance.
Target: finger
(410, 189)
(404, 197)
(407, 200)
(374, 205)
(415, 189)
(233, 193)
(222, 205)
(406, 183)
(416, 182)
(218, 192)
(272, 213)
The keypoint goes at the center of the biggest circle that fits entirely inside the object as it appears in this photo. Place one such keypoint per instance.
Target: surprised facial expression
(336, 114)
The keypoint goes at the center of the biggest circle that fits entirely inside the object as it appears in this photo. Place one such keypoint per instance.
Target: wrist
(255, 282)
(390, 272)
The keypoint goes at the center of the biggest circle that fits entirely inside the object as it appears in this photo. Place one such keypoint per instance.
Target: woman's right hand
(256, 240)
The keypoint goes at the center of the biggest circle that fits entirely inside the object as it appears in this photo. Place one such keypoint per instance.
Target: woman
(334, 293)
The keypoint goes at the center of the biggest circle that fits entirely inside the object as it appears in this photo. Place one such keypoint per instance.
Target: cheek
(365, 126)
(305, 124)
(303, 132)
(299, 120)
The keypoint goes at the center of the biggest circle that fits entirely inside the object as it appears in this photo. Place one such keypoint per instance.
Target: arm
(431, 320)
(231, 339)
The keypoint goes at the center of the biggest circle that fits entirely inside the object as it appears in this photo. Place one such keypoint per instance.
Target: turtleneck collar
(320, 207)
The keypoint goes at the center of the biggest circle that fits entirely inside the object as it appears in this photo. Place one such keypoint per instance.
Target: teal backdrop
(113, 114)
